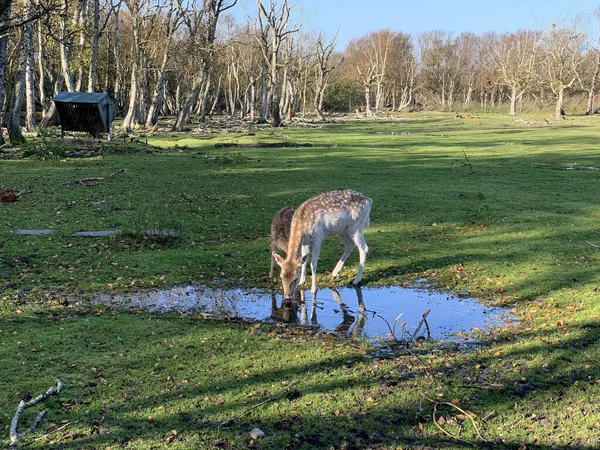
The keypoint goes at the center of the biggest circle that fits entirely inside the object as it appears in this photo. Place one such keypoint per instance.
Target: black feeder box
(90, 112)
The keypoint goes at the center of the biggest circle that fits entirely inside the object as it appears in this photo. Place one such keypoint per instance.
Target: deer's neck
(298, 232)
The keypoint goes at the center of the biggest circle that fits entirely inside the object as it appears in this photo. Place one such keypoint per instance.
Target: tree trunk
(48, 115)
(81, 23)
(131, 117)
(264, 95)
(64, 48)
(42, 70)
(159, 90)
(117, 50)
(559, 111)
(203, 110)
(368, 110)
(30, 121)
(186, 108)
(592, 88)
(3, 59)
(95, 37)
(15, 134)
(513, 100)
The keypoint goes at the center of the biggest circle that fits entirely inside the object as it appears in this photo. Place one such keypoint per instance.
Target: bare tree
(589, 71)
(274, 23)
(13, 119)
(562, 58)
(172, 20)
(516, 55)
(402, 74)
(204, 26)
(136, 8)
(325, 63)
(441, 66)
(30, 120)
(4, 19)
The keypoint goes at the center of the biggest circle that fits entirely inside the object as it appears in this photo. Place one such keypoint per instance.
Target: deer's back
(332, 213)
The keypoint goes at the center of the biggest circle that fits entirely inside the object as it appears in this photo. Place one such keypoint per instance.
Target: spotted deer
(344, 213)
(280, 233)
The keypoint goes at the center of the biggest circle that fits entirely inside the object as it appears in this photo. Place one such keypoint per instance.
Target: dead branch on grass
(15, 436)
(247, 410)
(465, 163)
(55, 431)
(463, 412)
(90, 181)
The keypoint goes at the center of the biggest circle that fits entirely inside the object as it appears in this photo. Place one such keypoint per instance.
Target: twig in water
(247, 410)
(423, 321)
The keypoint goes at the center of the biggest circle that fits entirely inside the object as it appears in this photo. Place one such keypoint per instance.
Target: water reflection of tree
(352, 323)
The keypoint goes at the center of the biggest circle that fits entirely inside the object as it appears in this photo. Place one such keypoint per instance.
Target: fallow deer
(344, 213)
(280, 233)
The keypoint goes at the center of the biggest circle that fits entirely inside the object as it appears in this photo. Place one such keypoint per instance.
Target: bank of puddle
(351, 311)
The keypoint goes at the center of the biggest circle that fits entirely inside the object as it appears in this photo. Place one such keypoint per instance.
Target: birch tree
(135, 8)
(562, 58)
(172, 20)
(516, 56)
(369, 56)
(274, 23)
(202, 26)
(325, 63)
(28, 48)
(4, 20)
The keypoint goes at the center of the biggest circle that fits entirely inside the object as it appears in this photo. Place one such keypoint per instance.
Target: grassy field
(506, 210)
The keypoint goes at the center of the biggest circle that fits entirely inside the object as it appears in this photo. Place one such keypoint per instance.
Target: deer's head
(290, 273)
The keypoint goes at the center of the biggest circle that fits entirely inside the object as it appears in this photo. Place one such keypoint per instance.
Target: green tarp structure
(90, 112)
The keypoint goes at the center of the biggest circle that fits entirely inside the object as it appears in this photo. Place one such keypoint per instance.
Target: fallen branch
(15, 436)
(247, 410)
(592, 244)
(463, 164)
(464, 413)
(89, 181)
(263, 145)
(55, 431)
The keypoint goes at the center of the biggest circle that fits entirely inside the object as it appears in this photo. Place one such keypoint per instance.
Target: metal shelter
(90, 112)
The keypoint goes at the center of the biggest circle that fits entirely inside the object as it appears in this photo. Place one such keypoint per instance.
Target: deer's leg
(316, 249)
(305, 250)
(349, 247)
(272, 262)
(363, 249)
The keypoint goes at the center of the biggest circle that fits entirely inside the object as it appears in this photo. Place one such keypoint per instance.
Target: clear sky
(356, 18)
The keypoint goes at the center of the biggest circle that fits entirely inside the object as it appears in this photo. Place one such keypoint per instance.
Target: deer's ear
(278, 259)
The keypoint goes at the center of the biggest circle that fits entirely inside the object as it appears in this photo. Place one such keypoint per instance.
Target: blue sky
(357, 18)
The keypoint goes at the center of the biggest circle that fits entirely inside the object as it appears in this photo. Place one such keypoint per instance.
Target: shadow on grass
(340, 401)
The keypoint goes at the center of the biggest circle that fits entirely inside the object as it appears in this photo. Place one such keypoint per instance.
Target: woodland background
(195, 58)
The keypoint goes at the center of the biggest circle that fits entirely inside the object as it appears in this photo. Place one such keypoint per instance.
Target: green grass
(482, 204)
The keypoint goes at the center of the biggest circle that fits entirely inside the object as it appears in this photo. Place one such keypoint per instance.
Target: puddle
(350, 311)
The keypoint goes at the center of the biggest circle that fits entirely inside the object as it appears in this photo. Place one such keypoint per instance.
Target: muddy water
(349, 311)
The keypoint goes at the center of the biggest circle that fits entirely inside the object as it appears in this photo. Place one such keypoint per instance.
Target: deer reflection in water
(295, 311)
